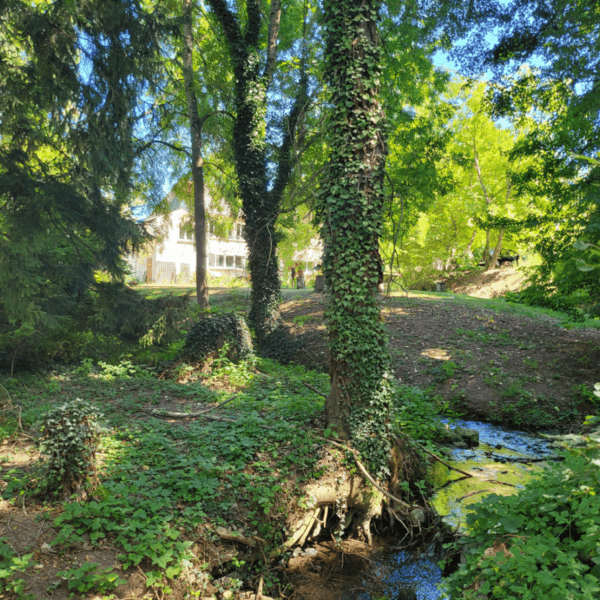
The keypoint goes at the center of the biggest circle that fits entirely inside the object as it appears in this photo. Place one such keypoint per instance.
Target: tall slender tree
(359, 404)
(196, 122)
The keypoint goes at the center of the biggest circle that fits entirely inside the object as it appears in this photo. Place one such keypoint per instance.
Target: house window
(211, 227)
(239, 231)
(229, 262)
(185, 234)
(239, 262)
(220, 261)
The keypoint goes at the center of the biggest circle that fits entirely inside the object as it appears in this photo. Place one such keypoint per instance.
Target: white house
(173, 257)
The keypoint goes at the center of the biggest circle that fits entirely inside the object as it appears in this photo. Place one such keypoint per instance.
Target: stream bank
(502, 463)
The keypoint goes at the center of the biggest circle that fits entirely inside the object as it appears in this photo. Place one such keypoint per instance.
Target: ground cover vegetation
(169, 492)
(288, 106)
(173, 501)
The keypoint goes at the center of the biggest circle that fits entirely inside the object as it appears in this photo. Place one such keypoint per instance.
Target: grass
(497, 305)
(167, 487)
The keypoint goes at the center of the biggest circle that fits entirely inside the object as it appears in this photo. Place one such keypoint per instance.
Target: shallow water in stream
(498, 467)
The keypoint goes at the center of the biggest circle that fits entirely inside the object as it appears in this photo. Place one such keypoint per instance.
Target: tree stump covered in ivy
(207, 338)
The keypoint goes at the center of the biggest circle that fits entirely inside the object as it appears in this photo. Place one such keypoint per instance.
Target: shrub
(68, 449)
(213, 332)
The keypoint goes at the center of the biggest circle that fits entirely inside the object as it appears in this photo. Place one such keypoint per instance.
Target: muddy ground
(527, 372)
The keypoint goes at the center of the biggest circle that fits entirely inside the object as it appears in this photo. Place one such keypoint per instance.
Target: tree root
(320, 524)
(302, 531)
(314, 520)
(367, 475)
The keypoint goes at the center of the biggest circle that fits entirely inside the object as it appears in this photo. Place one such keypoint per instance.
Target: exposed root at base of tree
(356, 506)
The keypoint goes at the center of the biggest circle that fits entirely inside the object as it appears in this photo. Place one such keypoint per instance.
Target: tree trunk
(260, 205)
(470, 245)
(497, 249)
(487, 257)
(352, 210)
(197, 159)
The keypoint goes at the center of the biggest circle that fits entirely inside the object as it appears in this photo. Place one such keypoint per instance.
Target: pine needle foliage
(73, 76)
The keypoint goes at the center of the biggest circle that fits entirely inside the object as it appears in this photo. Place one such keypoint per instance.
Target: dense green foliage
(73, 76)
(108, 317)
(165, 485)
(545, 62)
(69, 437)
(11, 567)
(85, 120)
(207, 338)
(544, 539)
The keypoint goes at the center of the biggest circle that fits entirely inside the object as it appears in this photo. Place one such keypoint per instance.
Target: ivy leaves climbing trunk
(352, 198)
(254, 61)
(197, 160)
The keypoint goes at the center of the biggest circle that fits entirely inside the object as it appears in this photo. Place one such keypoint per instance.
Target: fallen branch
(444, 462)
(472, 494)
(234, 536)
(202, 413)
(315, 390)
(500, 482)
(165, 414)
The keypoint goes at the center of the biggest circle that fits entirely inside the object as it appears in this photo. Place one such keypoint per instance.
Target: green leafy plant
(582, 392)
(593, 249)
(89, 577)
(540, 543)
(10, 566)
(124, 370)
(446, 370)
(68, 449)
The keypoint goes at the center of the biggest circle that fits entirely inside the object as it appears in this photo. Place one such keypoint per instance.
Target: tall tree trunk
(360, 401)
(497, 249)
(260, 205)
(197, 160)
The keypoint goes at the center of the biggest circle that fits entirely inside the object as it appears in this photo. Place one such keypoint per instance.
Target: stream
(499, 465)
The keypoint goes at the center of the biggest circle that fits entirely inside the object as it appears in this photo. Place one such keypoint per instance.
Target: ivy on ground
(351, 210)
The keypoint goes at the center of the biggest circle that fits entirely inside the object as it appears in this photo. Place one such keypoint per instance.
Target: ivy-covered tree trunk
(261, 205)
(197, 160)
(360, 401)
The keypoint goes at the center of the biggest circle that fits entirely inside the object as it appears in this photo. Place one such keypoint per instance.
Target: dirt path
(528, 372)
